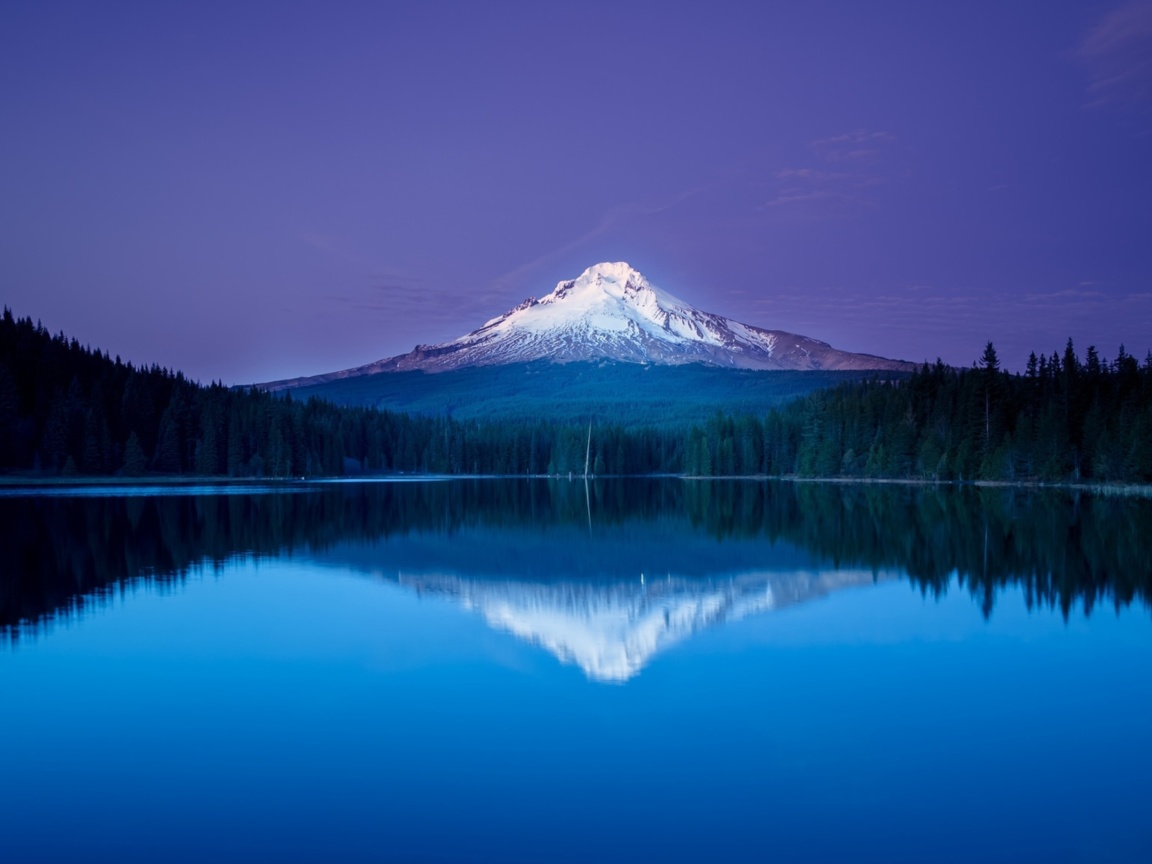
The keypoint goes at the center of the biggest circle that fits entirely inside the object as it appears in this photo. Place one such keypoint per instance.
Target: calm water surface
(536, 671)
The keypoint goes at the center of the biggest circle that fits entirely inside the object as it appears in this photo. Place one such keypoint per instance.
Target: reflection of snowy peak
(611, 630)
(612, 633)
(611, 312)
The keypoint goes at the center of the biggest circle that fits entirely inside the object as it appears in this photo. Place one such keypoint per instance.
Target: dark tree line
(1062, 419)
(67, 409)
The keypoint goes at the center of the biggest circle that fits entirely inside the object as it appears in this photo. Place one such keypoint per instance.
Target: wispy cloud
(844, 166)
(859, 146)
(811, 174)
(954, 323)
(389, 293)
(797, 196)
(369, 287)
(420, 304)
(1117, 54)
(1025, 320)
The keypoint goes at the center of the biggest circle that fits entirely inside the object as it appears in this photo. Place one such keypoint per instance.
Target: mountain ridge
(612, 312)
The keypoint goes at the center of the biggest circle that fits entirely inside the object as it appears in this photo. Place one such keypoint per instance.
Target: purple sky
(250, 192)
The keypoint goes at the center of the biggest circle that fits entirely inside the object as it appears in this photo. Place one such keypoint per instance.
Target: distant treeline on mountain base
(633, 395)
(67, 410)
(1062, 420)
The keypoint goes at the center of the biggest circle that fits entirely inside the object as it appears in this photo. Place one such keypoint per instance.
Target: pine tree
(133, 457)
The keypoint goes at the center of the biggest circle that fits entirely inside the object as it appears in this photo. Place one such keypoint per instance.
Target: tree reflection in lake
(62, 553)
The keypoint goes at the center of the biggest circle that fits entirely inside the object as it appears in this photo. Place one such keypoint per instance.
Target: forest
(632, 395)
(69, 410)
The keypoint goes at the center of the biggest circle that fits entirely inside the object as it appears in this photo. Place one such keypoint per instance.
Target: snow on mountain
(612, 630)
(611, 312)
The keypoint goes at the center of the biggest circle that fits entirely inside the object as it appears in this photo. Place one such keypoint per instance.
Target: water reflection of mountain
(611, 630)
(61, 553)
(607, 600)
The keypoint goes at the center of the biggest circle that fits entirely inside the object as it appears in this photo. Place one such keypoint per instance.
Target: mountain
(611, 312)
(612, 630)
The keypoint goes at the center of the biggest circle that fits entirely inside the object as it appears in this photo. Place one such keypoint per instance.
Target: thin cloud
(855, 161)
(794, 196)
(859, 136)
(1117, 55)
(859, 146)
(417, 303)
(392, 294)
(926, 321)
(811, 174)
(931, 309)
(1067, 293)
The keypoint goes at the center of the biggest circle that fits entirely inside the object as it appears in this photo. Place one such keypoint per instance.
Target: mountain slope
(626, 394)
(611, 312)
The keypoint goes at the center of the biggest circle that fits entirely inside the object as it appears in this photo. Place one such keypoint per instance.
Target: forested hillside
(66, 409)
(1063, 419)
(633, 395)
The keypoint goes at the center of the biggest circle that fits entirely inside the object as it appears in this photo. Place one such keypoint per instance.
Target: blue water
(341, 701)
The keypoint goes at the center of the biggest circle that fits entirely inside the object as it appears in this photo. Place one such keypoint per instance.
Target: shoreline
(31, 483)
(1136, 489)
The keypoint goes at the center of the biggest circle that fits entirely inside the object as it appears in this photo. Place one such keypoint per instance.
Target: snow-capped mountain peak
(610, 307)
(617, 281)
(612, 312)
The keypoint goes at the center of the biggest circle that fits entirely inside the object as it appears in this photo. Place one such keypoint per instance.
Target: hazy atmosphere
(266, 190)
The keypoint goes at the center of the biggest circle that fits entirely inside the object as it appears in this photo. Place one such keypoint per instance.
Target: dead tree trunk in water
(588, 450)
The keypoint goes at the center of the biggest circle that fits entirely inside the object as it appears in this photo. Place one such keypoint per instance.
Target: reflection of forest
(1062, 548)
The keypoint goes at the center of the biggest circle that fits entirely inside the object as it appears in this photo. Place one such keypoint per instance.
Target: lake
(534, 670)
